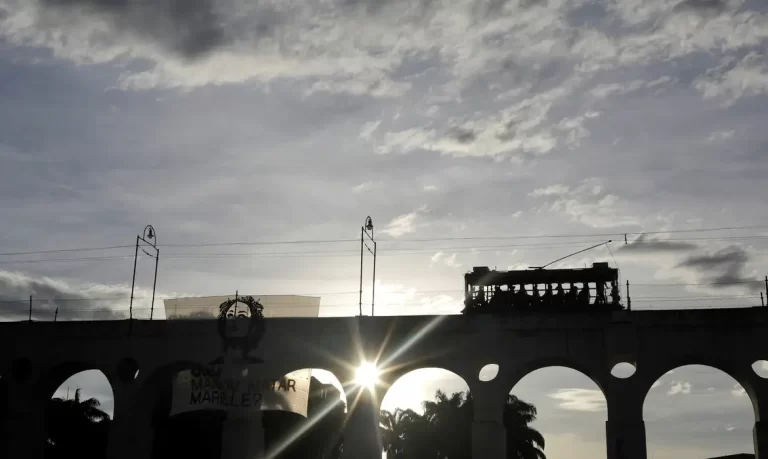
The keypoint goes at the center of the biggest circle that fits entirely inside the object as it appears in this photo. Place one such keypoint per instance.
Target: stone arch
(724, 365)
(287, 433)
(458, 437)
(51, 379)
(674, 393)
(401, 377)
(521, 371)
(70, 430)
(575, 396)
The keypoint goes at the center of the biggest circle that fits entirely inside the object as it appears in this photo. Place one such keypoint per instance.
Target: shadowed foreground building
(140, 357)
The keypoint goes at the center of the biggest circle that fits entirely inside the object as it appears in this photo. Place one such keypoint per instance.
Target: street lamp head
(369, 224)
(150, 233)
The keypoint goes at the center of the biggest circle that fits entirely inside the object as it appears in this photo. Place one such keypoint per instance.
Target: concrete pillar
(242, 438)
(625, 428)
(131, 434)
(489, 436)
(760, 436)
(25, 427)
(625, 439)
(361, 431)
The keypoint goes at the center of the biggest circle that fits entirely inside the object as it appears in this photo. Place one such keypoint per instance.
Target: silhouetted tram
(588, 289)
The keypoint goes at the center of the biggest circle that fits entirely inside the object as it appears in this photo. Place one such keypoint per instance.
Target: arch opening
(78, 416)
(318, 431)
(760, 368)
(427, 413)
(561, 406)
(488, 372)
(623, 370)
(697, 411)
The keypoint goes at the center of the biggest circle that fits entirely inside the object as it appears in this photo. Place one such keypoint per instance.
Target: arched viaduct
(37, 357)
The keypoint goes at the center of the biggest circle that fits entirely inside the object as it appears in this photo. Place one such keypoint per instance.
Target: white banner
(207, 307)
(239, 391)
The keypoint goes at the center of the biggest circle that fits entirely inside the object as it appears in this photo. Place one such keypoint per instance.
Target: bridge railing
(63, 309)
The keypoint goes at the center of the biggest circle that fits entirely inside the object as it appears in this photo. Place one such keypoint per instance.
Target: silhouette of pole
(154, 284)
(766, 285)
(367, 226)
(149, 233)
(762, 303)
(373, 288)
(629, 300)
(133, 282)
(362, 229)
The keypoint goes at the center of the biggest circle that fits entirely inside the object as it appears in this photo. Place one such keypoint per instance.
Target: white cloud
(367, 130)
(551, 190)
(580, 399)
(365, 186)
(429, 188)
(587, 203)
(738, 391)
(679, 387)
(735, 79)
(656, 384)
(404, 224)
(720, 135)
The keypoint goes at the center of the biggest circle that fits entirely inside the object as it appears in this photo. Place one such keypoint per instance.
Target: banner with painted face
(239, 391)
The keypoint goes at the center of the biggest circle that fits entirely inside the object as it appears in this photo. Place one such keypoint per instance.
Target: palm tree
(445, 429)
(523, 441)
(76, 427)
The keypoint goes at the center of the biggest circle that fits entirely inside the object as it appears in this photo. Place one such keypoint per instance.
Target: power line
(332, 253)
(331, 241)
(82, 249)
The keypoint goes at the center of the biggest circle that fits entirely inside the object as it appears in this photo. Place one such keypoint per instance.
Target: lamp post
(148, 235)
(368, 226)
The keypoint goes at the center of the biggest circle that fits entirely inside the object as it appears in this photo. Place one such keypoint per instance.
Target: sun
(367, 375)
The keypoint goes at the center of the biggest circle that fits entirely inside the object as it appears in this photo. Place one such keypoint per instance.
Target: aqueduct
(134, 355)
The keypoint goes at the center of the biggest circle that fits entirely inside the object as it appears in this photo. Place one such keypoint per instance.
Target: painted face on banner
(238, 319)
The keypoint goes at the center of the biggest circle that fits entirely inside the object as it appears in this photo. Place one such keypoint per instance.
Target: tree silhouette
(445, 429)
(76, 427)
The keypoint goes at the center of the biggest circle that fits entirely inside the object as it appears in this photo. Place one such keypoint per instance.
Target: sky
(470, 131)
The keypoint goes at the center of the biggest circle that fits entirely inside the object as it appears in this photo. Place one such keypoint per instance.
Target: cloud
(605, 90)
(580, 399)
(189, 28)
(586, 203)
(429, 188)
(738, 391)
(734, 79)
(365, 186)
(366, 132)
(74, 302)
(551, 190)
(642, 244)
(679, 387)
(724, 268)
(720, 135)
(449, 261)
(403, 224)
(656, 384)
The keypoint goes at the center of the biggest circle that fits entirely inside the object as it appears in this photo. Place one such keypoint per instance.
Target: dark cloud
(725, 268)
(48, 295)
(190, 28)
(704, 7)
(644, 245)
(463, 136)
